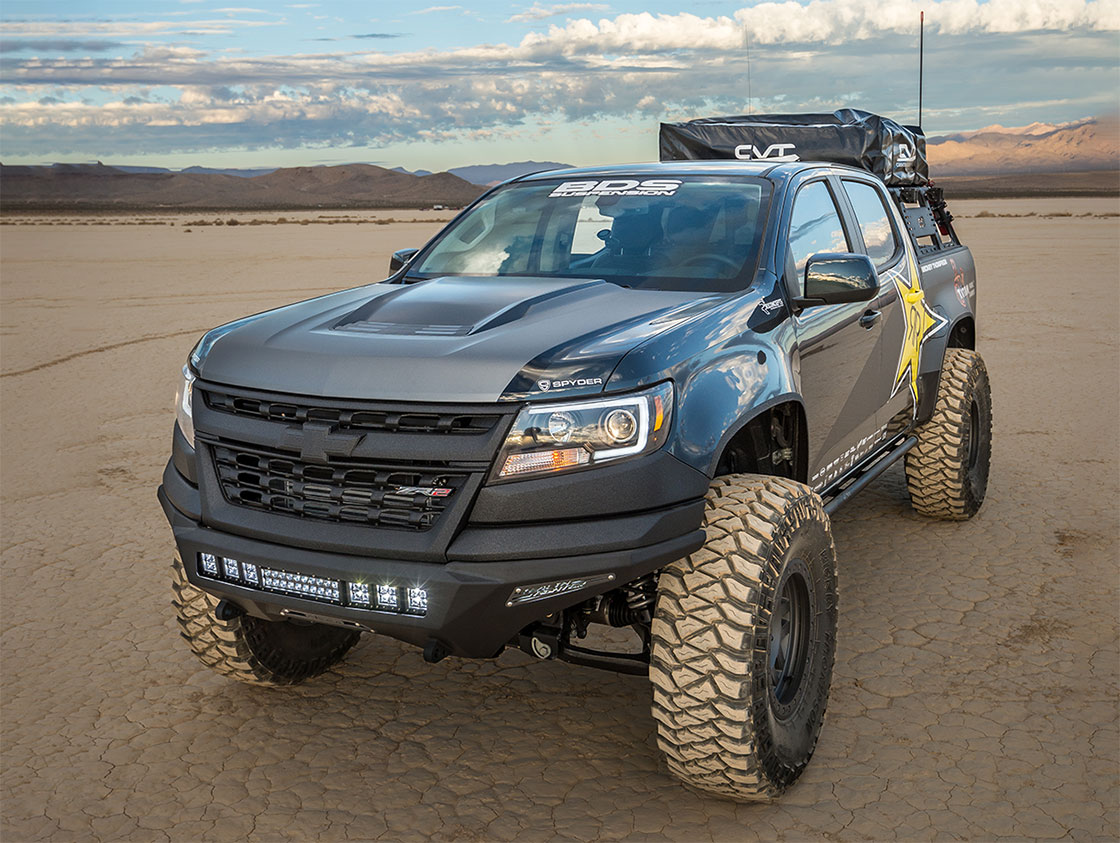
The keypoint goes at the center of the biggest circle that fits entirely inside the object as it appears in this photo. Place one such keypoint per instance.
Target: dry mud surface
(976, 685)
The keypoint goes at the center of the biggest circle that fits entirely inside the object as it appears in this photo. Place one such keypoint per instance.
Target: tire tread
(707, 622)
(936, 468)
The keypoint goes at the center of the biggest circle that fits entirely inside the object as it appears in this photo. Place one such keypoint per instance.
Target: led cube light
(417, 601)
(359, 594)
(209, 564)
(387, 598)
(249, 572)
(230, 568)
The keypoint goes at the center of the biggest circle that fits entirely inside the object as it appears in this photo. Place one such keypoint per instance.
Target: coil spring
(632, 601)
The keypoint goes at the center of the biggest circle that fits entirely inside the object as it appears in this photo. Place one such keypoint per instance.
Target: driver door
(837, 351)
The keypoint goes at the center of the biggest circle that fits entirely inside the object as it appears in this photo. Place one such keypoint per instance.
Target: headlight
(558, 437)
(183, 398)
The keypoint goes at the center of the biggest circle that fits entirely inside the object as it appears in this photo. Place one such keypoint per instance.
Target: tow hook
(435, 651)
(227, 611)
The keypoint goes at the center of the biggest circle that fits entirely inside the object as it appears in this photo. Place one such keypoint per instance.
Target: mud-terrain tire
(252, 650)
(739, 689)
(947, 471)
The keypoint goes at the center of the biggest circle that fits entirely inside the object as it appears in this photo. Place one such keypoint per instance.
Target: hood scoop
(367, 327)
(457, 307)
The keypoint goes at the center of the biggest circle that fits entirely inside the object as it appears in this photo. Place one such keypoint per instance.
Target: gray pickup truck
(626, 397)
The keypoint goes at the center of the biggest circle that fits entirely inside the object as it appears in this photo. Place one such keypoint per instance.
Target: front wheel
(250, 649)
(743, 640)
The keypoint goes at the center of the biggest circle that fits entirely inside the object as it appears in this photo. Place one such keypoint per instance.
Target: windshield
(681, 233)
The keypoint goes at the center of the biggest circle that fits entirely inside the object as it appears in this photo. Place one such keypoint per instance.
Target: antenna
(747, 46)
(921, 61)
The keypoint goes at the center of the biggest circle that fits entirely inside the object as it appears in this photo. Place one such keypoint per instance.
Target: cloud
(821, 22)
(539, 12)
(125, 29)
(57, 45)
(633, 67)
(433, 9)
(378, 35)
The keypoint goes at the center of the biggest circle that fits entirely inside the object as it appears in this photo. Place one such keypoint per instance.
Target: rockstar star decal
(921, 323)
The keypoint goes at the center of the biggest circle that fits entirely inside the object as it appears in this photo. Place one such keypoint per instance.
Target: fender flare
(931, 379)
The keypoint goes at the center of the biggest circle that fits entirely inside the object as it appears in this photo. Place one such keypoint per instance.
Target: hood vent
(402, 330)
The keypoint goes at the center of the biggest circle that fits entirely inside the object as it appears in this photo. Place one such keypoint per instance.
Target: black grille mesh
(356, 492)
(396, 420)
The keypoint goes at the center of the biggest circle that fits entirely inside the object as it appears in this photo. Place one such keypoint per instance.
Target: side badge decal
(922, 322)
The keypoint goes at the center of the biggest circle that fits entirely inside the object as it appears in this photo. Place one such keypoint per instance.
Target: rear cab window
(880, 240)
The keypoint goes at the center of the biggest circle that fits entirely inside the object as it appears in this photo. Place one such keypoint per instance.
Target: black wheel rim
(973, 436)
(790, 627)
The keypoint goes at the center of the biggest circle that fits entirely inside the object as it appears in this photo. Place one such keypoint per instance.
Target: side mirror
(832, 278)
(400, 258)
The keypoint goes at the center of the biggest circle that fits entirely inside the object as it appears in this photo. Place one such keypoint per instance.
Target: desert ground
(976, 685)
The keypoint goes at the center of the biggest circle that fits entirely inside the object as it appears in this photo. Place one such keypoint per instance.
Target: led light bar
(382, 597)
(303, 585)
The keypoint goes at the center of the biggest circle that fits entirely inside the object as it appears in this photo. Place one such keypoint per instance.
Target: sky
(195, 82)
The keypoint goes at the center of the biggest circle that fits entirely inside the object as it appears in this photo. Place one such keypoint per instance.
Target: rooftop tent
(895, 153)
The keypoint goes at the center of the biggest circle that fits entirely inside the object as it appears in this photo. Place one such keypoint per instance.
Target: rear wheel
(743, 640)
(947, 471)
(250, 649)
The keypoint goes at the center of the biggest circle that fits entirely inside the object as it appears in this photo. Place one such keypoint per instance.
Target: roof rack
(927, 217)
(894, 153)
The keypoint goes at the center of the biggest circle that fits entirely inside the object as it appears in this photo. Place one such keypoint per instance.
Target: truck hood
(448, 339)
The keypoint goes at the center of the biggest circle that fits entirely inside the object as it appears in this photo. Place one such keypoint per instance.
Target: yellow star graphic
(921, 322)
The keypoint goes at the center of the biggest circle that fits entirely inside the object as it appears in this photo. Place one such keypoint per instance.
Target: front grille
(404, 497)
(390, 420)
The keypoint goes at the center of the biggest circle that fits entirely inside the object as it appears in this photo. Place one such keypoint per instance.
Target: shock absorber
(633, 602)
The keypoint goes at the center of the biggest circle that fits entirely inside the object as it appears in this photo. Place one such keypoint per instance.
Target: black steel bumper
(468, 612)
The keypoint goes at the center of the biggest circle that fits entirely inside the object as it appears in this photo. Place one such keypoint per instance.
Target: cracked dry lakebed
(975, 692)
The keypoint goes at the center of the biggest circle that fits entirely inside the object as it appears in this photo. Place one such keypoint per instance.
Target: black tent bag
(895, 153)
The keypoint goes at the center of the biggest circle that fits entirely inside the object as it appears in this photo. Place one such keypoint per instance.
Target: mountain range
(1080, 146)
(1079, 158)
(483, 174)
(97, 186)
(491, 174)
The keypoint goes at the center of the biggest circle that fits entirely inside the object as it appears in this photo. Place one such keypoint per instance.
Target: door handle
(869, 319)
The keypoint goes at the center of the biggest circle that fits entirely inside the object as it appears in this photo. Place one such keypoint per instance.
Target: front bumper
(468, 612)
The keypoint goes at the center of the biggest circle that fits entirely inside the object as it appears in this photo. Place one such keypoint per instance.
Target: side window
(589, 222)
(815, 226)
(874, 221)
